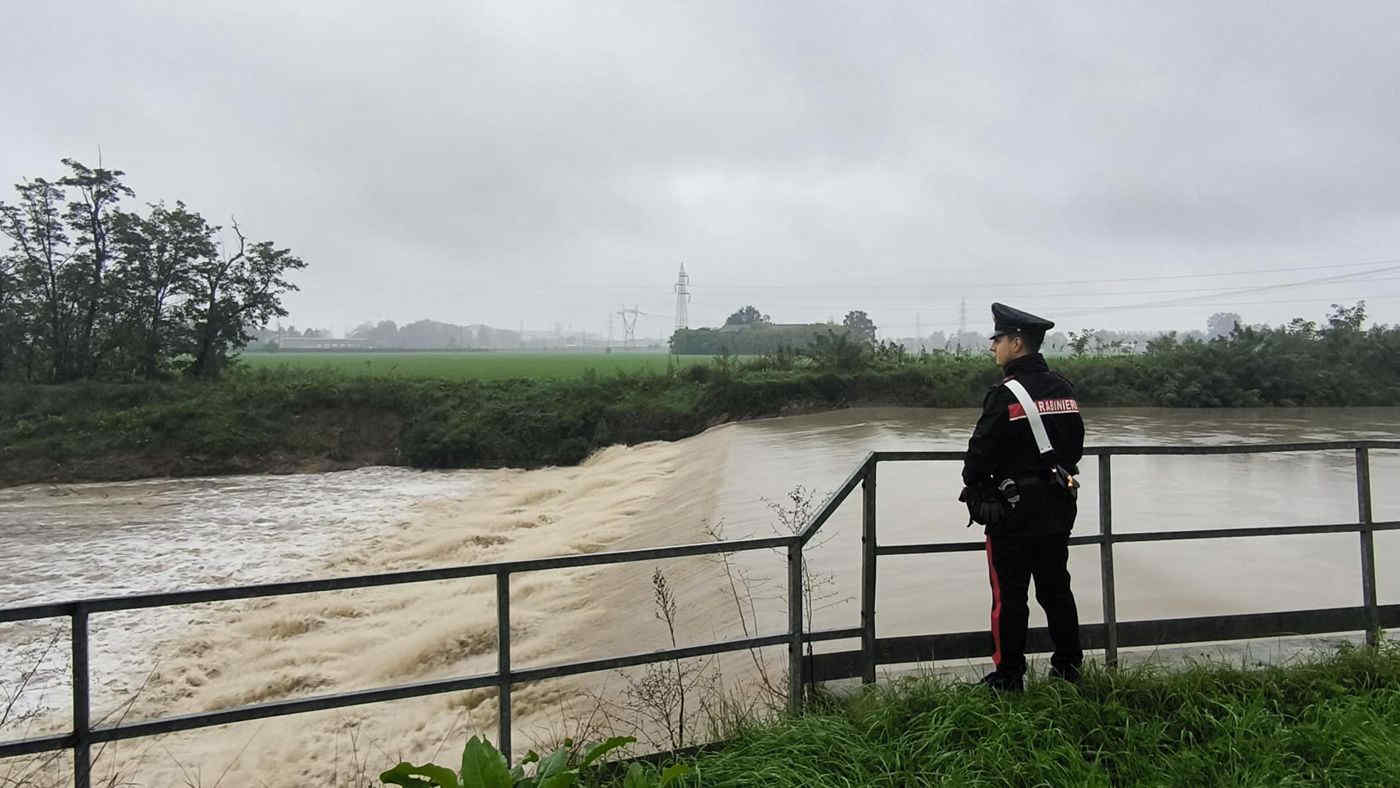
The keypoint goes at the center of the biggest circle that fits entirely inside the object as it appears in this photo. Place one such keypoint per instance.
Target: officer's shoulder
(995, 391)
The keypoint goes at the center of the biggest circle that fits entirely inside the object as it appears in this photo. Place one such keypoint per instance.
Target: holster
(987, 504)
(1063, 480)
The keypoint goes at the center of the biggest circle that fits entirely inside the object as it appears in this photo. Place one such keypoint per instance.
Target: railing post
(867, 577)
(503, 661)
(795, 626)
(82, 700)
(1110, 612)
(1368, 545)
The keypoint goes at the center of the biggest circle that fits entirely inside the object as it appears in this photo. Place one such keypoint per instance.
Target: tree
(1079, 343)
(838, 351)
(41, 257)
(747, 316)
(860, 325)
(231, 294)
(11, 326)
(157, 256)
(1347, 319)
(90, 217)
(1221, 324)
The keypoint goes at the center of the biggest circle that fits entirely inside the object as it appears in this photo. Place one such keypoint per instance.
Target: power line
(848, 285)
(1238, 291)
(948, 327)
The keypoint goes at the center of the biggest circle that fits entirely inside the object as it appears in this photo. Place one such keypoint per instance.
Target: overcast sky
(539, 163)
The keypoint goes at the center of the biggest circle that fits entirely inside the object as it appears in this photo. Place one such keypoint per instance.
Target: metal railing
(1370, 617)
(801, 670)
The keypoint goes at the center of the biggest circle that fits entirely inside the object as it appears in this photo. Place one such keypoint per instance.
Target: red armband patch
(1047, 407)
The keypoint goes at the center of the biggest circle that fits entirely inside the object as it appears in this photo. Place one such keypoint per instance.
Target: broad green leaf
(602, 748)
(483, 766)
(561, 780)
(673, 773)
(636, 777)
(409, 776)
(553, 764)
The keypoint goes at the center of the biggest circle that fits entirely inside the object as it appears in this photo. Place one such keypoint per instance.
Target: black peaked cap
(1010, 320)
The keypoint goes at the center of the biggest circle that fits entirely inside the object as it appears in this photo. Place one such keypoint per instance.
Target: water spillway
(218, 656)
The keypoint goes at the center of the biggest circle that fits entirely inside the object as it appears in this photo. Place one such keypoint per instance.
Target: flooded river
(89, 540)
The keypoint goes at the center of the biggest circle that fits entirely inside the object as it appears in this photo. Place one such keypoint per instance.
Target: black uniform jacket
(1002, 445)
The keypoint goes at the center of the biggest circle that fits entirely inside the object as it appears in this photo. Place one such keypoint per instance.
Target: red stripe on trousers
(996, 605)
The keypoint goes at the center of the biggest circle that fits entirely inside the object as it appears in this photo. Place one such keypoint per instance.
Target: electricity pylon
(629, 324)
(682, 298)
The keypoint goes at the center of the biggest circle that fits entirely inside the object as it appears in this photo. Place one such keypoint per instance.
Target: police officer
(1030, 539)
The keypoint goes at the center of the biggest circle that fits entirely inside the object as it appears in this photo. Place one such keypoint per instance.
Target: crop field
(457, 365)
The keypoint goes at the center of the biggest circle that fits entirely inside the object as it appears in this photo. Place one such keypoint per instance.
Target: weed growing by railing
(483, 766)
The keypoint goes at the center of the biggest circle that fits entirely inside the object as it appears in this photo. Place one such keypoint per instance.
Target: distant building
(322, 343)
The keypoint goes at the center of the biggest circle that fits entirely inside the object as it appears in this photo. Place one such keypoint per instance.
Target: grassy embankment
(1331, 720)
(286, 420)
(452, 411)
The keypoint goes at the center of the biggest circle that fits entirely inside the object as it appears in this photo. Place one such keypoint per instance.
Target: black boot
(1068, 673)
(1003, 682)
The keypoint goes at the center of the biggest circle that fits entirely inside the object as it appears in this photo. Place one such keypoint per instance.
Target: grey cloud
(540, 162)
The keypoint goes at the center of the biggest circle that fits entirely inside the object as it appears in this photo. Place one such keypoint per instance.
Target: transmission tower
(629, 324)
(682, 298)
(962, 324)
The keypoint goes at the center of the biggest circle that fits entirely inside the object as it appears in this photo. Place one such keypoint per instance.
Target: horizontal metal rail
(1201, 629)
(803, 669)
(139, 601)
(1145, 449)
(922, 548)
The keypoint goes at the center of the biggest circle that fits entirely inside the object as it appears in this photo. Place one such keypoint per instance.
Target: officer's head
(1010, 346)
(1017, 333)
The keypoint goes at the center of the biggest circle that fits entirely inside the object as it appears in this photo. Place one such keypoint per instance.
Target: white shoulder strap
(1042, 440)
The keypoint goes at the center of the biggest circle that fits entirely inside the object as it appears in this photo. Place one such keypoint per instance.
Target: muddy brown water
(67, 541)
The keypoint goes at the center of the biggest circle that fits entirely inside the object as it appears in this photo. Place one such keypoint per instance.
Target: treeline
(432, 334)
(89, 290)
(300, 420)
(749, 332)
(1337, 362)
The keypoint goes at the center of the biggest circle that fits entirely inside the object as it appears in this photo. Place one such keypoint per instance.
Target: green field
(456, 365)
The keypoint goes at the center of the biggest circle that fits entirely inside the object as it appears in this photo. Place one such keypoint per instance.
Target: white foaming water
(78, 541)
(156, 535)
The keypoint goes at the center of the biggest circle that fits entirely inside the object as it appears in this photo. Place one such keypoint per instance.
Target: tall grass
(1331, 720)
(461, 365)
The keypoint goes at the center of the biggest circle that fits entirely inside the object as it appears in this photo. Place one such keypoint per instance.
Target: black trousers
(1012, 560)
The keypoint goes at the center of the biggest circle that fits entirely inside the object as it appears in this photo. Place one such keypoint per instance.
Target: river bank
(287, 420)
(279, 422)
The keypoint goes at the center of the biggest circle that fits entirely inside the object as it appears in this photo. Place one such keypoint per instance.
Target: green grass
(454, 365)
(1331, 720)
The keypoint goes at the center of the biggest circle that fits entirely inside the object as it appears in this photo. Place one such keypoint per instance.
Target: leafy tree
(385, 333)
(1079, 342)
(860, 324)
(90, 217)
(747, 315)
(157, 258)
(231, 294)
(1221, 324)
(1349, 319)
(42, 258)
(836, 350)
